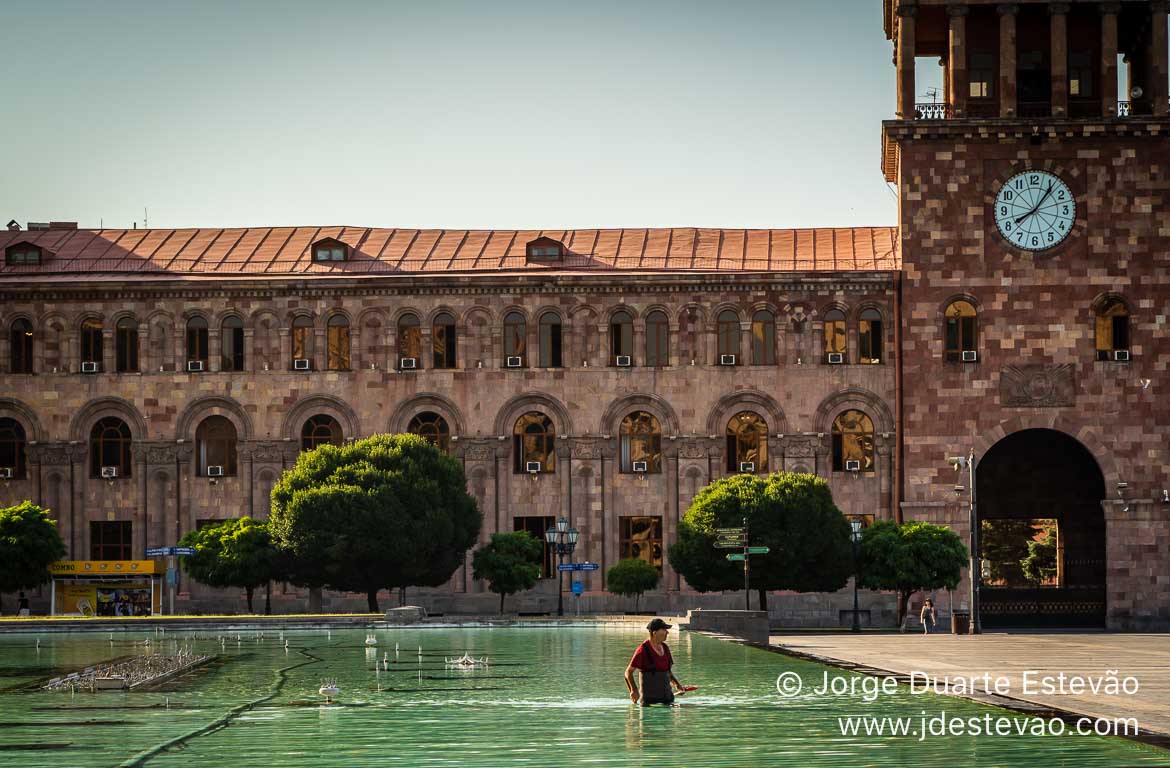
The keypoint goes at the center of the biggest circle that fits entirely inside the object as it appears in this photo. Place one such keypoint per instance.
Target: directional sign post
(170, 553)
(577, 567)
(737, 538)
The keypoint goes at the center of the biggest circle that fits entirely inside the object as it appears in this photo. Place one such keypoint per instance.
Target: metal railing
(935, 110)
(1077, 109)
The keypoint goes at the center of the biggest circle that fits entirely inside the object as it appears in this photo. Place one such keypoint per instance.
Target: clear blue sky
(447, 113)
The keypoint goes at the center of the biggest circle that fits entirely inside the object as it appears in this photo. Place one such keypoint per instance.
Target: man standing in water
(654, 660)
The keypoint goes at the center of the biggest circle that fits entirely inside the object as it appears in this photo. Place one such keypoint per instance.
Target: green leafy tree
(29, 544)
(632, 577)
(1004, 545)
(791, 514)
(908, 558)
(386, 512)
(234, 553)
(510, 563)
(1040, 563)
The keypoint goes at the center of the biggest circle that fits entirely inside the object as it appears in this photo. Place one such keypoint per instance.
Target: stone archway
(1026, 477)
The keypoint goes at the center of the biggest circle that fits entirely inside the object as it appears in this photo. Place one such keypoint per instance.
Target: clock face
(1035, 210)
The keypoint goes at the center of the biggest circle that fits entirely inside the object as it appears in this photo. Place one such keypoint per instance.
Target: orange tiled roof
(274, 251)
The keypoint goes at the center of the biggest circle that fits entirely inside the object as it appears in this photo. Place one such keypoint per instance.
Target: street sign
(757, 550)
(728, 545)
(731, 531)
(578, 588)
(184, 550)
(169, 551)
(156, 551)
(739, 556)
(578, 567)
(589, 566)
(567, 567)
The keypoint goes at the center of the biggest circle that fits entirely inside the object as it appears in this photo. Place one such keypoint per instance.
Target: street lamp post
(855, 535)
(974, 568)
(563, 540)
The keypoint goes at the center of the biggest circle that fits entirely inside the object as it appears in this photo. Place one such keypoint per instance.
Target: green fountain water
(551, 696)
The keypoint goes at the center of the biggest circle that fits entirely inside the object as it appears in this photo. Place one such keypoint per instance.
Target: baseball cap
(656, 625)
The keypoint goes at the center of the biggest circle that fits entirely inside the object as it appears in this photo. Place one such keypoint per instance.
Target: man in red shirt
(654, 661)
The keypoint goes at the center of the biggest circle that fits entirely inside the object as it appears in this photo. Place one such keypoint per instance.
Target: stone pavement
(1143, 656)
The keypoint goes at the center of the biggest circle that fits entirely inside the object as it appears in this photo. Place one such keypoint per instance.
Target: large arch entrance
(1042, 533)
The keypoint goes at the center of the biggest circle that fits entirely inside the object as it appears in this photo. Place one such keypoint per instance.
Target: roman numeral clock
(1035, 210)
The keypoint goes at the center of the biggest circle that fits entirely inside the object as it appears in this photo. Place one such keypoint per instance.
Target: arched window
(126, 345)
(231, 344)
(21, 346)
(869, 336)
(443, 340)
(109, 446)
(747, 443)
(215, 446)
(337, 343)
(853, 442)
(432, 427)
(727, 326)
(763, 338)
(835, 336)
(657, 339)
(550, 340)
(91, 342)
(197, 341)
(1112, 331)
(515, 339)
(302, 342)
(534, 444)
(12, 442)
(960, 332)
(621, 336)
(321, 429)
(641, 443)
(409, 341)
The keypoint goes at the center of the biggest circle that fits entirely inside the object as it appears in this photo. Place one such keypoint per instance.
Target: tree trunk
(248, 592)
(401, 597)
(501, 603)
(763, 593)
(268, 599)
(314, 599)
(903, 604)
(372, 600)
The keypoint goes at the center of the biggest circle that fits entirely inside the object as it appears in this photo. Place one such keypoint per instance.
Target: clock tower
(1034, 218)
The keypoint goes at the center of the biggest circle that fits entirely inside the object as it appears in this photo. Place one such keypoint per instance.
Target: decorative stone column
(1109, 11)
(1007, 59)
(214, 346)
(285, 361)
(108, 350)
(1058, 26)
(250, 363)
(905, 56)
(957, 84)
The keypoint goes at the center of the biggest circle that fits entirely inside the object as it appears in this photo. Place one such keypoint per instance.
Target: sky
(499, 114)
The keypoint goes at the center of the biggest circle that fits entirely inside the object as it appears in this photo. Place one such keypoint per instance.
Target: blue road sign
(578, 588)
(568, 567)
(578, 567)
(156, 551)
(184, 550)
(589, 566)
(169, 551)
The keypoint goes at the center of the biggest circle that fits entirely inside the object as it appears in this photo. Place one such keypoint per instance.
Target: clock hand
(1042, 199)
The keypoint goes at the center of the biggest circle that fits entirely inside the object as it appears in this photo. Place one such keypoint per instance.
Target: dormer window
(545, 249)
(22, 254)
(330, 250)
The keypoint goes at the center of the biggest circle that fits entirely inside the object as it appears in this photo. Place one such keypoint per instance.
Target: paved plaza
(1143, 656)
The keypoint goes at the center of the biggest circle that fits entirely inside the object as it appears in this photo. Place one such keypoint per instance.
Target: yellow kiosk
(105, 588)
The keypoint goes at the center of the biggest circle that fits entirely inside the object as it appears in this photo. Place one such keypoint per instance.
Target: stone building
(1016, 314)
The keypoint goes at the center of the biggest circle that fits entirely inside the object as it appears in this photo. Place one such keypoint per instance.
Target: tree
(1003, 543)
(29, 544)
(234, 553)
(510, 563)
(632, 577)
(791, 514)
(908, 558)
(1040, 563)
(389, 511)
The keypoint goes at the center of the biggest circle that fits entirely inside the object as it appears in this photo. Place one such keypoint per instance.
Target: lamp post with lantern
(855, 536)
(563, 539)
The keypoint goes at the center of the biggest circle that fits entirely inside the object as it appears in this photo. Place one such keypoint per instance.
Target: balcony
(932, 111)
(1078, 109)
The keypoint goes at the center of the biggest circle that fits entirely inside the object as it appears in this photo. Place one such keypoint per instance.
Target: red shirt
(645, 658)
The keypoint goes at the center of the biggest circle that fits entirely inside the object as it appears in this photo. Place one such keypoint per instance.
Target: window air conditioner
(1121, 355)
(640, 466)
(747, 466)
(408, 363)
(5, 473)
(727, 359)
(109, 473)
(853, 466)
(532, 467)
(836, 358)
(623, 361)
(214, 471)
(970, 356)
(89, 367)
(514, 362)
(194, 366)
(301, 364)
